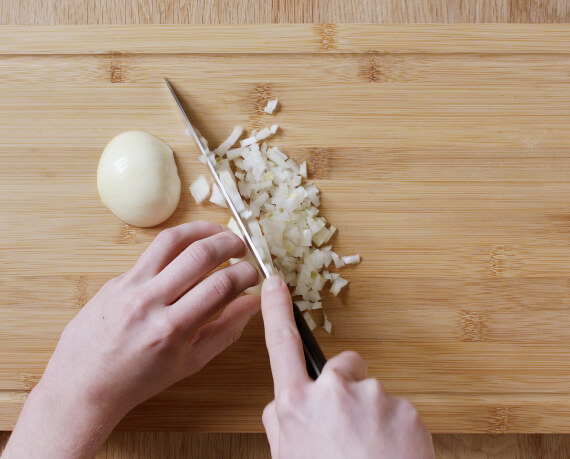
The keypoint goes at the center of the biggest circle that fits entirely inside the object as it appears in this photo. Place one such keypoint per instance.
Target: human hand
(142, 332)
(341, 414)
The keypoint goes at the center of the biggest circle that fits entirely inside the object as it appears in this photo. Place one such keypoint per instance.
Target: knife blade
(214, 173)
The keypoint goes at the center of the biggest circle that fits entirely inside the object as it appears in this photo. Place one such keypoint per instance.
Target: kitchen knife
(314, 357)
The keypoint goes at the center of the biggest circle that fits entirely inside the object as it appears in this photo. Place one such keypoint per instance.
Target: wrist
(74, 402)
(59, 422)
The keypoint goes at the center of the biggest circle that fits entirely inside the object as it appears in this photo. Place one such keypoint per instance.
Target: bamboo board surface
(443, 166)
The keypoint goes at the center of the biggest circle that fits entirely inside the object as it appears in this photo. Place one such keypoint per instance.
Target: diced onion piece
(351, 259)
(261, 199)
(255, 290)
(307, 238)
(200, 189)
(233, 226)
(338, 262)
(304, 305)
(271, 105)
(260, 242)
(228, 180)
(217, 197)
(277, 156)
(234, 153)
(273, 128)
(323, 235)
(327, 325)
(263, 134)
(309, 319)
(303, 169)
(315, 224)
(337, 285)
(249, 141)
(327, 255)
(317, 305)
(228, 143)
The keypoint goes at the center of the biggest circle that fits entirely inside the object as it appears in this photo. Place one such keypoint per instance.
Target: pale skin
(153, 326)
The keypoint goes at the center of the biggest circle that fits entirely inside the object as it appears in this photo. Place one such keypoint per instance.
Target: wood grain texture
(47, 12)
(80, 12)
(487, 39)
(152, 445)
(127, 445)
(458, 206)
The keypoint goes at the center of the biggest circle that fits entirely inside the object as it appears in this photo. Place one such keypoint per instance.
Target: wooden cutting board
(443, 157)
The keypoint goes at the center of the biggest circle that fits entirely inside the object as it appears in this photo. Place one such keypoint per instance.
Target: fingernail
(272, 283)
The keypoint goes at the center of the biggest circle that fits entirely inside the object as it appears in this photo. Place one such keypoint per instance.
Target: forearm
(143, 331)
(52, 425)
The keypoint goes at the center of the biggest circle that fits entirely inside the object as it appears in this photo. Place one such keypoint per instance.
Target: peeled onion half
(137, 179)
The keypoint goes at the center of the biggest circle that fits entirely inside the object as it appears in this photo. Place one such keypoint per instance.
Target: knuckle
(379, 390)
(201, 223)
(408, 411)
(127, 276)
(202, 253)
(232, 239)
(204, 227)
(250, 273)
(111, 284)
(130, 277)
(165, 329)
(289, 399)
(222, 284)
(338, 390)
(336, 382)
(230, 243)
(236, 334)
(136, 303)
(134, 309)
(168, 236)
(353, 356)
(374, 388)
(268, 411)
(378, 387)
(204, 224)
(281, 336)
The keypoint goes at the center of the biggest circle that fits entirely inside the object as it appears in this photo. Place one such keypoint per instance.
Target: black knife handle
(314, 357)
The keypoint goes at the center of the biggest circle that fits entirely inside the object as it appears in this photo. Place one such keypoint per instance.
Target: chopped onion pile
(281, 209)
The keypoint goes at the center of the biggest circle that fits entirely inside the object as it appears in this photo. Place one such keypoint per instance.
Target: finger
(281, 335)
(196, 307)
(271, 425)
(221, 333)
(194, 263)
(169, 244)
(348, 364)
